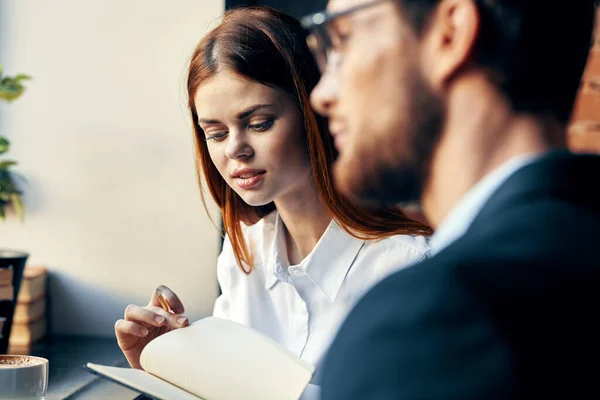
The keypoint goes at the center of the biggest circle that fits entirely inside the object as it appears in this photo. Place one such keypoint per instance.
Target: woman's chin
(256, 201)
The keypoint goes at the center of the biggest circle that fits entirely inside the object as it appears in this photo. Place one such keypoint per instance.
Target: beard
(390, 165)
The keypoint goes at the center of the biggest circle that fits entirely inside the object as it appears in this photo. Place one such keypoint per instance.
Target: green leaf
(11, 87)
(17, 204)
(22, 77)
(4, 145)
(7, 185)
(6, 164)
(10, 93)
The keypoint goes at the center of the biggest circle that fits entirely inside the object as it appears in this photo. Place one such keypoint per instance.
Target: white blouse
(302, 306)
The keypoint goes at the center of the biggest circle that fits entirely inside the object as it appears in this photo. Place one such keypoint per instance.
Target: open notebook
(214, 359)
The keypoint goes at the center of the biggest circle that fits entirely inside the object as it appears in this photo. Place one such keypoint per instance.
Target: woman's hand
(143, 324)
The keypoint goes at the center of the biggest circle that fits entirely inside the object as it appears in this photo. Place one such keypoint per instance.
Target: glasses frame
(317, 36)
(321, 18)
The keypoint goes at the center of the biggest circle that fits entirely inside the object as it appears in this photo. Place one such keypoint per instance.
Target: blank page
(222, 360)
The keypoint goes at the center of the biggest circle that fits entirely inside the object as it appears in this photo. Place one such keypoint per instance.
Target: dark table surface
(67, 379)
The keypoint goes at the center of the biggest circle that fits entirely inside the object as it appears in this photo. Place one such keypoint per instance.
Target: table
(66, 377)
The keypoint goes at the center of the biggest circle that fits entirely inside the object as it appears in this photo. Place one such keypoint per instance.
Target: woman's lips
(249, 180)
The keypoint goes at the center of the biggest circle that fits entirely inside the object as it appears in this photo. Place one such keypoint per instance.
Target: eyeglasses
(322, 39)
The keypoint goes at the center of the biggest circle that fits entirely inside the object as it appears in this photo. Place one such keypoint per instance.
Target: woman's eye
(261, 126)
(217, 137)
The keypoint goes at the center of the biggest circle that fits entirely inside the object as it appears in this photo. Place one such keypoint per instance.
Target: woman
(296, 255)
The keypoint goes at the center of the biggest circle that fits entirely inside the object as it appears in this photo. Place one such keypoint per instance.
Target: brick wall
(584, 132)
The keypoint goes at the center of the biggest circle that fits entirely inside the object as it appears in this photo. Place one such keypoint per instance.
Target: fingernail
(159, 319)
(144, 331)
(182, 320)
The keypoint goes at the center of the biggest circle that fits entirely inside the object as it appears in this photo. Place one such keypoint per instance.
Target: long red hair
(268, 46)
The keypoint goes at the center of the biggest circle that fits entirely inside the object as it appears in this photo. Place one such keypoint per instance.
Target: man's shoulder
(494, 261)
(409, 291)
(418, 313)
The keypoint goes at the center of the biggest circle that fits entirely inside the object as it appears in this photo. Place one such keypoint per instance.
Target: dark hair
(269, 47)
(535, 51)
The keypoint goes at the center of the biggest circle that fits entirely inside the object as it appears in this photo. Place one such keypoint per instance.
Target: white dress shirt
(302, 306)
(461, 216)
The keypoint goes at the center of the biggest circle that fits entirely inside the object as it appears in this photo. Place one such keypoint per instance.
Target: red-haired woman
(297, 255)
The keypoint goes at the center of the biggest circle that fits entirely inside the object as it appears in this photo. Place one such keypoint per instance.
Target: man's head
(389, 65)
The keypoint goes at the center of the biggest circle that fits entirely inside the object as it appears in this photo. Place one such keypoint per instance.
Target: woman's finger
(174, 320)
(123, 327)
(142, 314)
(167, 295)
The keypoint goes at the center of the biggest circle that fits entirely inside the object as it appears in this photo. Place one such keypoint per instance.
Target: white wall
(103, 137)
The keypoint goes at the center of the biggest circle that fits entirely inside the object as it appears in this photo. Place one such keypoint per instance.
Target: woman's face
(255, 137)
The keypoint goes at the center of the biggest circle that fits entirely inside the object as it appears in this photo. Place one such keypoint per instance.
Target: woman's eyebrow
(208, 121)
(250, 110)
(241, 115)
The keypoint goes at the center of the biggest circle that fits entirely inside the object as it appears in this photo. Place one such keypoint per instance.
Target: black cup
(15, 260)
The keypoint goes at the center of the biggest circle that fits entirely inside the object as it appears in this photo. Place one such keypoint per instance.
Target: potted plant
(12, 262)
(10, 89)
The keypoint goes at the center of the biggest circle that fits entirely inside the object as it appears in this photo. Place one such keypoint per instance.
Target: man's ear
(449, 38)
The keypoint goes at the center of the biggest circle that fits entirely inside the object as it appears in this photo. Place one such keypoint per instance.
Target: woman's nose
(238, 147)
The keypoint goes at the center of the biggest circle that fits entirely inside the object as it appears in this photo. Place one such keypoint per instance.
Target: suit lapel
(559, 174)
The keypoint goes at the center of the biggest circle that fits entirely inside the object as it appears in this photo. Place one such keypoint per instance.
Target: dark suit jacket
(509, 311)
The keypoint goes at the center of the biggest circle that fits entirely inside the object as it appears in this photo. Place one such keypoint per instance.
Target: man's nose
(324, 95)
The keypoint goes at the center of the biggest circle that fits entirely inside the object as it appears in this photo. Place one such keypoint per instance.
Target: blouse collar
(327, 264)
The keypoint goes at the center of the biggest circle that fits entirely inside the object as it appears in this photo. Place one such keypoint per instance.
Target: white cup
(23, 377)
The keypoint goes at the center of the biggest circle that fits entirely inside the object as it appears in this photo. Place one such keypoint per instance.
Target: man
(462, 105)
